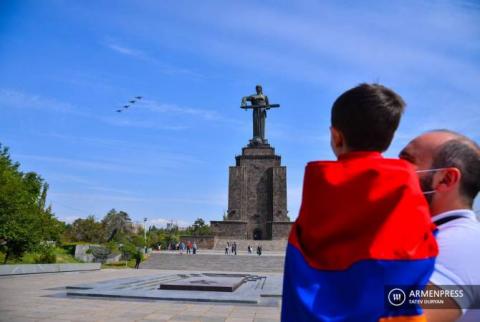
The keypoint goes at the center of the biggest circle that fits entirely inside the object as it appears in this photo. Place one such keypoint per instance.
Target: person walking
(138, 256)
(194, 247)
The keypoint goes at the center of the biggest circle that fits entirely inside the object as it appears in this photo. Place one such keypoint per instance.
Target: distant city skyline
(67, 67)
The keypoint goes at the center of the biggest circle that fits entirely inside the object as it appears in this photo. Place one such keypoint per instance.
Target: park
(240, 161)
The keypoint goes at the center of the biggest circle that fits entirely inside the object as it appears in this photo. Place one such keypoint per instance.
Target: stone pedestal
(257, 196)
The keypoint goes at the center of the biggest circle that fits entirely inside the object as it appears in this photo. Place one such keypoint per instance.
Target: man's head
(365, 118)
(449, 168)
(259, 89)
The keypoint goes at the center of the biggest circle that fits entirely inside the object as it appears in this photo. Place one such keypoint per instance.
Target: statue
(259, 105)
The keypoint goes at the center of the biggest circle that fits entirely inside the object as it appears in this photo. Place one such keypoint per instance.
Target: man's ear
(447, 179)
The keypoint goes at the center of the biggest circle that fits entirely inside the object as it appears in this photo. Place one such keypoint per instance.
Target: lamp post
(145, 232)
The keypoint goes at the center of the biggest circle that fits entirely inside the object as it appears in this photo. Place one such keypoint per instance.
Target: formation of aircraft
(133, 101)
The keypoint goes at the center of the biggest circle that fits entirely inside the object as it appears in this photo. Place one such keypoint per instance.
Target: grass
(30, 258)
(120, 265)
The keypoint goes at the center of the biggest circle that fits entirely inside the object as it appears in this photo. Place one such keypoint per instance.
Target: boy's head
(365, 118)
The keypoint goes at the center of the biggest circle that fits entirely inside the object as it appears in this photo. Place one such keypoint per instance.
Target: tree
(199, 228)
(117, 224)
(87, 230)
(24, 220)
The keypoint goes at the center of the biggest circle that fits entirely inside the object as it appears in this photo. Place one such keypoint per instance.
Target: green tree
(87, 230)
(24, 220)
(117, 224)
(199, 228)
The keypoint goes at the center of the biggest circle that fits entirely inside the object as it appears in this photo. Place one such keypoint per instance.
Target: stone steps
(279, 245)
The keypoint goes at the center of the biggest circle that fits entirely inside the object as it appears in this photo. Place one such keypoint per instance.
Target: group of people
(189, 247)
(259, 249)
(231, 249)
(368, 223)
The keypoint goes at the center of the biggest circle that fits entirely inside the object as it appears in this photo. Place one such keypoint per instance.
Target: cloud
(208, 115)
(99, 165)
(135, 53)
(115, 121)
(18, 99)
(162, 222)
(163, 67)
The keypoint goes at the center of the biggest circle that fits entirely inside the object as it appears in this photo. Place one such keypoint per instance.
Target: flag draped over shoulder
(363, 225)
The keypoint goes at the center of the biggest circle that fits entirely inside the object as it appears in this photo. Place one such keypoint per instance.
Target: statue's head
(258, 88)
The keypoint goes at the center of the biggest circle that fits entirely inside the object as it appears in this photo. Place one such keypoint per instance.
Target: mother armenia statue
(259, 105)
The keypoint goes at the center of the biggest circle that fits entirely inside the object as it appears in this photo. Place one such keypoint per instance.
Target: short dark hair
(368, 116)
(464, 154)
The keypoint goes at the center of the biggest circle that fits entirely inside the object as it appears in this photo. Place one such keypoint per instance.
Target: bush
(46, 255)
(69, 248)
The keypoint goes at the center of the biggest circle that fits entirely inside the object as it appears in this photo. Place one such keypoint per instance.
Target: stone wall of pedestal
(257, 196)
(229, 228)
(281, 230)
(203, 242)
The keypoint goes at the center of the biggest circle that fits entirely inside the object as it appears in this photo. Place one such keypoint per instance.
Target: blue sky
(66, 66)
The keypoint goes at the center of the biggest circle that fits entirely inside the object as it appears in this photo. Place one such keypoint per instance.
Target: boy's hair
(368, 115)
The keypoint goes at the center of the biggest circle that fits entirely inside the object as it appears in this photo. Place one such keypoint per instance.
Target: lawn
(30, 258)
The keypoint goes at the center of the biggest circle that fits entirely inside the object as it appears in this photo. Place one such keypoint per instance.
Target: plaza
(42, 297)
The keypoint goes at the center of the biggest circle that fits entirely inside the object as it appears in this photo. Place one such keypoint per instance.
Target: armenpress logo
(396, 297)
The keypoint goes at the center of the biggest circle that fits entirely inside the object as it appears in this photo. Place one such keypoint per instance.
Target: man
(448, 165)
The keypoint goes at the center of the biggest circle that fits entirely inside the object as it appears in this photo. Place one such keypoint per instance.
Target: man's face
(420, 152)
(259, 89)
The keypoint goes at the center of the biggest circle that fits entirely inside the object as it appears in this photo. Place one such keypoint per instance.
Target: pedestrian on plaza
(194, 247)
(138, 256)
(259, 250)
(227, 248)
(189, 247)
(234, 248)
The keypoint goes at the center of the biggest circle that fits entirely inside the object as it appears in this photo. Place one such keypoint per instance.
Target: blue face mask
(429, 192)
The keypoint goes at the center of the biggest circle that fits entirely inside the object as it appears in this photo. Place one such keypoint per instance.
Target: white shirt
(458, 261)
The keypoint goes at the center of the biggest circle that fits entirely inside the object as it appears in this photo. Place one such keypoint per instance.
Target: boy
(364, 227)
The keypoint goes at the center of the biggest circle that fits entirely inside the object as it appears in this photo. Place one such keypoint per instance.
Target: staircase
(279, 245)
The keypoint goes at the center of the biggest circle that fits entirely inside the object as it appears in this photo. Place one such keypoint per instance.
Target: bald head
(421, 150)
(457, 156)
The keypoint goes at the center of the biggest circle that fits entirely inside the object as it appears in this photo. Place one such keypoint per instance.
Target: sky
(66, 66)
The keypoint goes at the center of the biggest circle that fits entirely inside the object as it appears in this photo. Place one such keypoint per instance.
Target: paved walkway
(40, 297)
(216, 261)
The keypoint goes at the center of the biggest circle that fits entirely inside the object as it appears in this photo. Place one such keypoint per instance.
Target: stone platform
(262, 290)
(42, 298)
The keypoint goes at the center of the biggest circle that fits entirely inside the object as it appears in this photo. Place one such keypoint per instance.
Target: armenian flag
(364, 224)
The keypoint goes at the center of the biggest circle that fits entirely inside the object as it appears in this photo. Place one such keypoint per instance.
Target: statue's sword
(260, 106)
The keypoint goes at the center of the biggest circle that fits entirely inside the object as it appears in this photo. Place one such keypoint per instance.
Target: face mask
(429, 192)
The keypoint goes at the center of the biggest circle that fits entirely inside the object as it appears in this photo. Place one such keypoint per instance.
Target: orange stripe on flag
(415, 318)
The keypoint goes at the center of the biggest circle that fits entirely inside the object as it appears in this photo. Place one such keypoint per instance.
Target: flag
(363, 225)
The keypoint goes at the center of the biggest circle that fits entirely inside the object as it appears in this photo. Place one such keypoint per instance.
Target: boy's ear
(336, 140)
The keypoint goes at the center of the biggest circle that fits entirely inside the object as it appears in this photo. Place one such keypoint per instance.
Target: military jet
(133, 101)
(126, 106)
(119, 111)
(138, 97)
